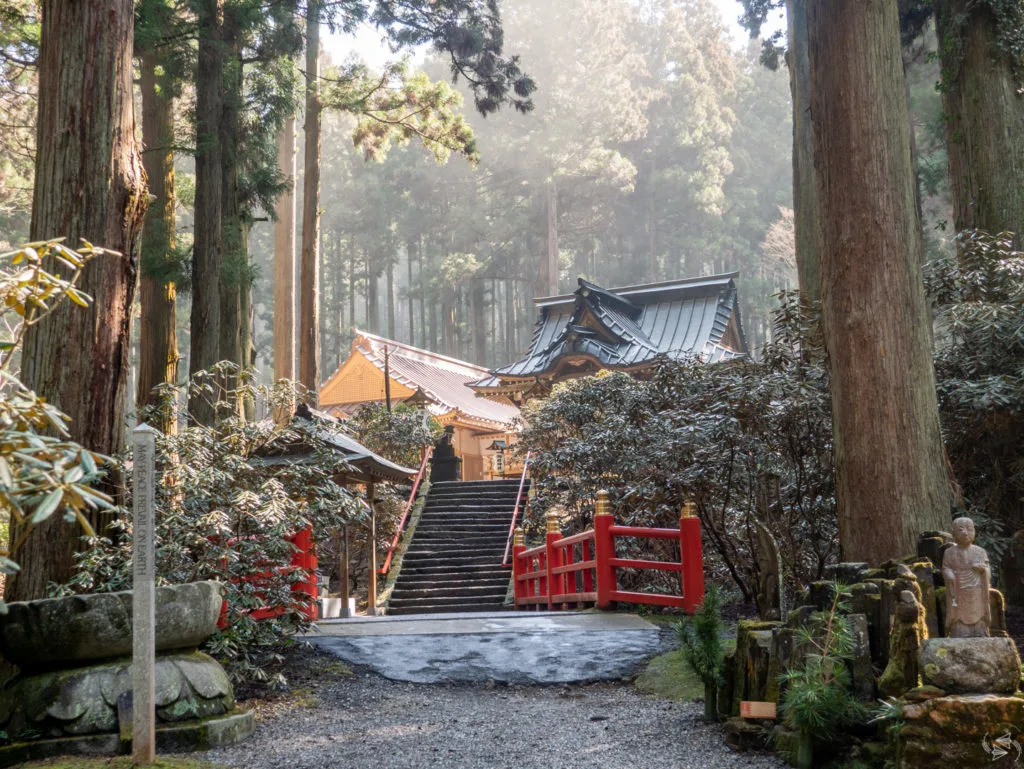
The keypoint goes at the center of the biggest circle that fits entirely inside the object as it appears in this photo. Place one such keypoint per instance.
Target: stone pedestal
(971, 665)
(72, 693)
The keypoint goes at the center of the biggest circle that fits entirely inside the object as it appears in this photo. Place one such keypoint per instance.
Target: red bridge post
(604, 550)
(553, 559)
(519, 587)
(692, 556)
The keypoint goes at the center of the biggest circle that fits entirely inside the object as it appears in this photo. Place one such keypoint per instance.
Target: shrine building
(626, 329)
(482, 426)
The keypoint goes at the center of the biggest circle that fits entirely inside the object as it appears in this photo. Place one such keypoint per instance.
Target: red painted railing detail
(383, 570)
(515, 513)
(304, 558)
(552, 577)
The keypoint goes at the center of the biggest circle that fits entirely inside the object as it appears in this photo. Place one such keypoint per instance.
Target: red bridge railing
(417, 481)
(582, 569)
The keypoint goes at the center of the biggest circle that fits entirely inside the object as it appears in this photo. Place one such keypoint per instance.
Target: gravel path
(364, 721)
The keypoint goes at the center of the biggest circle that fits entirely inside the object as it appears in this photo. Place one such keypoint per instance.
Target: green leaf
(47, 507)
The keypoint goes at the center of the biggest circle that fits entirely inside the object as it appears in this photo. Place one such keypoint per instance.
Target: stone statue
(966, 571)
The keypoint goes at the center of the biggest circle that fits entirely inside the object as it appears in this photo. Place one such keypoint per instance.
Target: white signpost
(143, 597)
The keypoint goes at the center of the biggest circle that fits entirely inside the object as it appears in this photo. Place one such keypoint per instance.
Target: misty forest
(703, 314)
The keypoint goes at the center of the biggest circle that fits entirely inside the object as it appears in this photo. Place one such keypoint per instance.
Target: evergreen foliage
(817, 701)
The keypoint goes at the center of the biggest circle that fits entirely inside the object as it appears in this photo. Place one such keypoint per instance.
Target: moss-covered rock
(959, 731)
(971, 665)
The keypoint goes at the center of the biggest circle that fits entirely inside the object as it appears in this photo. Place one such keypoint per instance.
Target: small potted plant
(704, 649)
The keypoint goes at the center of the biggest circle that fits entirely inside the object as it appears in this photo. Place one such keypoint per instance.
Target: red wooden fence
(581, 569)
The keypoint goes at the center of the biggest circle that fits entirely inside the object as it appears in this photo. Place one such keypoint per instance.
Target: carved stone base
(84, 701)
(205, 734)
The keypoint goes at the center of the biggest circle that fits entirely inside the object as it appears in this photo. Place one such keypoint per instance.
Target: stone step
(435, 561)
(472, 508)
(432, 527)
(505, 483)
(426, 583)
(403, 595)
(418, 572)
(446, 608)
(443, 539)
(487, 518)
(401, 603)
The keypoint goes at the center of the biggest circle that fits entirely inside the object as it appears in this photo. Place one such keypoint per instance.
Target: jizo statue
(966, 571)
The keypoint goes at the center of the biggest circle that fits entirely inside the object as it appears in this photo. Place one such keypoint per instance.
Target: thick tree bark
(207, 241)
(890, 474)
(89, 183)
(984, 108)
(804, 186)
(284, 258)
(158, 342)
(309, 281)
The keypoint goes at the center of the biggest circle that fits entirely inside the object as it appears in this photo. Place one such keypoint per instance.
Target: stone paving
(504, 647)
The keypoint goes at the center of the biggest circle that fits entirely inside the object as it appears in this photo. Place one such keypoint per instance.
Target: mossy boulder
(960, 731)
(971, 665)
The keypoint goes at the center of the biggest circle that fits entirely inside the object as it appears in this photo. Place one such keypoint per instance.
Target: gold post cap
(519, 537)
(552, 521)
(689, 510)
(604, 504)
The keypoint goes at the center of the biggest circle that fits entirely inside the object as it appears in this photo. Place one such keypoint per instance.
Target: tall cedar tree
(158, 344)
(89, 184)
(309, 263)
(891, 479)
(981, 46)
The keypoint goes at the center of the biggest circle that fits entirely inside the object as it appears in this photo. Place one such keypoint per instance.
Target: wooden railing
(567, 572)
(417, 481)
(515, 513)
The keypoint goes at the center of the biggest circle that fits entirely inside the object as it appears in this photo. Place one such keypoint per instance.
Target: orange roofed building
(421, 377)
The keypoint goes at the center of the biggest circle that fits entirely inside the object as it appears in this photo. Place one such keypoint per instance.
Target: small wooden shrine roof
(422, 377)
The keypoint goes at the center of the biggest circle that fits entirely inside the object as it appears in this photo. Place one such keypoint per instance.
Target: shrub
(745, 441)
(978, 292)
(701, 637)
(228, 498)
(42, 472)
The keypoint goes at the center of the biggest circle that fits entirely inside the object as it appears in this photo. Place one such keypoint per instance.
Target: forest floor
(335, 717)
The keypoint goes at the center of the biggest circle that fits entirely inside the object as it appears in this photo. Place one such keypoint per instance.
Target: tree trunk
(284, 258)
(89, 183)
(424, 342)
(478, 300)
(805, 216)
(309, 283)
(372, 303)
(352, 253)
(158, 342)
(410, 249)
(207, 242)
(890, 475)
(234, 270)
(984, 112)
(390, 273)
(549, 273)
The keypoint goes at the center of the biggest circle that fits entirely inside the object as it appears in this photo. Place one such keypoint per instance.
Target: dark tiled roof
(630, 327)
(442, 380)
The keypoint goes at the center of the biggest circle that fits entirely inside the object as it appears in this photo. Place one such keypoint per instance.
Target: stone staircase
(453, 563)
